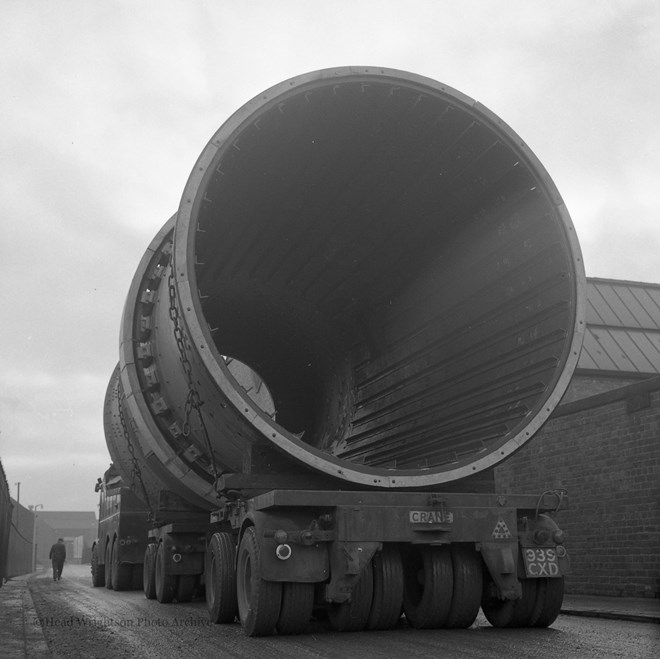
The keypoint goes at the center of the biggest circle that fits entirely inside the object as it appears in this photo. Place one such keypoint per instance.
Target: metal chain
(136, 474)
(193, 399)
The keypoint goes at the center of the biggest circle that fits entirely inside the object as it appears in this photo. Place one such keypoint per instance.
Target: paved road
(81, 621)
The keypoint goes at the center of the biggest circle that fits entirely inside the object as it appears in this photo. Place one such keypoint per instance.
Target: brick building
(602, 444)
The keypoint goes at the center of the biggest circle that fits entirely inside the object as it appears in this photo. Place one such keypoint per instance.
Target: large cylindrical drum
(370, 276)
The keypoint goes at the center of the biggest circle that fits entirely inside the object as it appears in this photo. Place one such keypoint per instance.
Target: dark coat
(58, 552)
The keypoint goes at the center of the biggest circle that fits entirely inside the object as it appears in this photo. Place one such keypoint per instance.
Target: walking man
(58, 556)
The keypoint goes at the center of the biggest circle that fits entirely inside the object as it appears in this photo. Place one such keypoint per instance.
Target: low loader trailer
(364, 557)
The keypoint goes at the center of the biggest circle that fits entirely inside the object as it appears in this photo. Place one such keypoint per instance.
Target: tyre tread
(220, 581)
(352, 616)
(427, 605)
(387, 602)
(98, 570)
(261, 604)
(296, 607)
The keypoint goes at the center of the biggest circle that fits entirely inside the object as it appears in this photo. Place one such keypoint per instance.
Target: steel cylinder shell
(370, 276)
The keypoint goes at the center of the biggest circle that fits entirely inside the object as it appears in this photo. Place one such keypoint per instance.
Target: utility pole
(34, 535)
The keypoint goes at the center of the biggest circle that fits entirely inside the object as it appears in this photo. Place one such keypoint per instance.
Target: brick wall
(20, 541)
(584, 385)
(6, 511)
(605, 450)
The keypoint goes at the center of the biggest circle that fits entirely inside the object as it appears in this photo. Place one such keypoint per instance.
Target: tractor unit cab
(118, 551)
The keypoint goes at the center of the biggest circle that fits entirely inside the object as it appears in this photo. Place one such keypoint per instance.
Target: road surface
(81, 621)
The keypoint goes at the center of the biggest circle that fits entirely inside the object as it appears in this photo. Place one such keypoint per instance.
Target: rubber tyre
(512, 613)
(296, 607)
(259, 601)
(165, 583)
(387, 601)
(220, 578)
(353, 616)
(137, 577)
(468, 587)
(121, 574)
(149, 572)
(428, 586)
(524, 607)
(98, 570)
(186, 584)
(107, 568)
(549, 598)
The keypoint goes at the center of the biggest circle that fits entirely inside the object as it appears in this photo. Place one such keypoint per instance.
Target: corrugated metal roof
(623, 327)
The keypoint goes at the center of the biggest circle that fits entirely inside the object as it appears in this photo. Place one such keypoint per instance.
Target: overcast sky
(105, 106)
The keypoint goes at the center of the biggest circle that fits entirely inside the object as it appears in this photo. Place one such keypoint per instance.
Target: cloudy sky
(106, 105)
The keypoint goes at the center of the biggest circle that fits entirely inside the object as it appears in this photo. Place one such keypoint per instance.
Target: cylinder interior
(390, 265)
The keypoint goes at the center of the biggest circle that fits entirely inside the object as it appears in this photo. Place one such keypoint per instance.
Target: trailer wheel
(98, 570)
(428, 586)
(258, 600)
(510, 613)
(137, 577)
(524, 607)
(468, 586)
(296, 607)
(121, 574)
(107, 568)
(220, 578)
(387, 602)
(547, 605)
(185, 587)
(353, 616)
(149, 572)
(165, 583)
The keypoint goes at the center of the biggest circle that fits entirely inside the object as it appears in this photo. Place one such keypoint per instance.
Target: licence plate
(541, 562)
